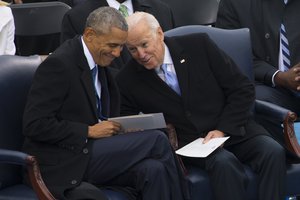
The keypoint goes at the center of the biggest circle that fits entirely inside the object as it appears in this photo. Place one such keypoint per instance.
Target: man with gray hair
(66, 128)
(202, 93)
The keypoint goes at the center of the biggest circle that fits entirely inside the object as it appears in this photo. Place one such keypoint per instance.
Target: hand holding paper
(199, 150)
(140, 122)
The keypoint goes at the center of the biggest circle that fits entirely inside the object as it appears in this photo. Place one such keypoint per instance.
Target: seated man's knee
(151, 168)
(223, 160)
(160, 138)
(273, 150)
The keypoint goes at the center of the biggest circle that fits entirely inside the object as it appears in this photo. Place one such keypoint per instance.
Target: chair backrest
(33, 19)
(235, 43)
(16, 73)
(38, 26)
(194, 12)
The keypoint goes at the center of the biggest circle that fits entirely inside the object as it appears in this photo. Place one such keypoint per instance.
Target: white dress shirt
(167, 60)
(92, 64)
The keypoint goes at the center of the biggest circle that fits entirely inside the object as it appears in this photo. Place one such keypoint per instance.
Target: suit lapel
(86, 77)
(150, 78)
(180, 61)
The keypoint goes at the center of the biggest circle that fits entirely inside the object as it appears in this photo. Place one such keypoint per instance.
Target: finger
(207, 138)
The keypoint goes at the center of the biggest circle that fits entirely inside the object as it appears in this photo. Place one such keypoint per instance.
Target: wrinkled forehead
(139, 34)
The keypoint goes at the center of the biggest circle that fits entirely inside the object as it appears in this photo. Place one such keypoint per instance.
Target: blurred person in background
(7, 30)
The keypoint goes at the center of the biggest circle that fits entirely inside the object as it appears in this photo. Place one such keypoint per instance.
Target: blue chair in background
(236, 43)
(16, 73)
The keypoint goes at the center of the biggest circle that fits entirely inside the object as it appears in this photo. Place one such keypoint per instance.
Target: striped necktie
(123, 10)
(285, 53)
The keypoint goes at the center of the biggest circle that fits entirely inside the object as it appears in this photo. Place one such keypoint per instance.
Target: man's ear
(160, 33)
(89, 34)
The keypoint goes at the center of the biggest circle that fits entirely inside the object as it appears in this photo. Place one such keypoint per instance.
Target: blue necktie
(94, 75)
(170, 78)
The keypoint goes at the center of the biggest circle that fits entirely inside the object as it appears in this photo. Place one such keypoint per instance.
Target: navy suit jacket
(214, 93)
(61, 105)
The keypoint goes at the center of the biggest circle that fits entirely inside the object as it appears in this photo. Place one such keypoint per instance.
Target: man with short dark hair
(66, 128)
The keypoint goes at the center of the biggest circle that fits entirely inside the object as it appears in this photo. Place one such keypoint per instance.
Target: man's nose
(117, 51)
(141, 53)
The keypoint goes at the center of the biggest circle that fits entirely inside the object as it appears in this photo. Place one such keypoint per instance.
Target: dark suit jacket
(60, 107)
(214, 93)
(74, 21)
(263, 18)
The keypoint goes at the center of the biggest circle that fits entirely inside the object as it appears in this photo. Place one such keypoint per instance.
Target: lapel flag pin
(182, 61)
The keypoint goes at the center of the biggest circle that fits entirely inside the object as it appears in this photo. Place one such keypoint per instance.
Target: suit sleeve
(42, 120)
(238, 90)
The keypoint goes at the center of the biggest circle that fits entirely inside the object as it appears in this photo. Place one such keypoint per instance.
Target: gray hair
(104, 18)
(137, 17)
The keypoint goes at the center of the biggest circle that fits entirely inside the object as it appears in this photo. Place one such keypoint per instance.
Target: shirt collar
(167, 56)
(115, 4)
(88, 55)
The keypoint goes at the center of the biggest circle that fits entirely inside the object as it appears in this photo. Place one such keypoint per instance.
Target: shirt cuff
(273, 82)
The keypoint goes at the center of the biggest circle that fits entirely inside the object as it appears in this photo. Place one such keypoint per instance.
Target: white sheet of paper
(141, 121)
(199, 150)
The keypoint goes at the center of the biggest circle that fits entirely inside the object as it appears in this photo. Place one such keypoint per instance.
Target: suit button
(85, 151)
(268, 58)
(73, 182)
(267, 35)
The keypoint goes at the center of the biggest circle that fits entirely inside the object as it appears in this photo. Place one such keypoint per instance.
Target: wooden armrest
(286, 117)
(36, 180)
(172, 135)
(289, 133)
(23, 159)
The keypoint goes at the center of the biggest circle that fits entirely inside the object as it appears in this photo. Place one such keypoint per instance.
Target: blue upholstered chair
(16, 73)
(236, 43)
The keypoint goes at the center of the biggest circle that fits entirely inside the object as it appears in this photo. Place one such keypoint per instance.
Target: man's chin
(106, 63)
(149, 67)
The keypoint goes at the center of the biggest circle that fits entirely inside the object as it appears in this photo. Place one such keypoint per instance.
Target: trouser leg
(267, 158)
(133, 153)
(227, 175)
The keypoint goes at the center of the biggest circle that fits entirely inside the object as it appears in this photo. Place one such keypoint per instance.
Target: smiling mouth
(145, 61)
(111, 57)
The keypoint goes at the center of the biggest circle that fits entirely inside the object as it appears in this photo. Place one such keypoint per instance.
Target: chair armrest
(285, 116)
(277, 112)
(172, 135)
(20, 158)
